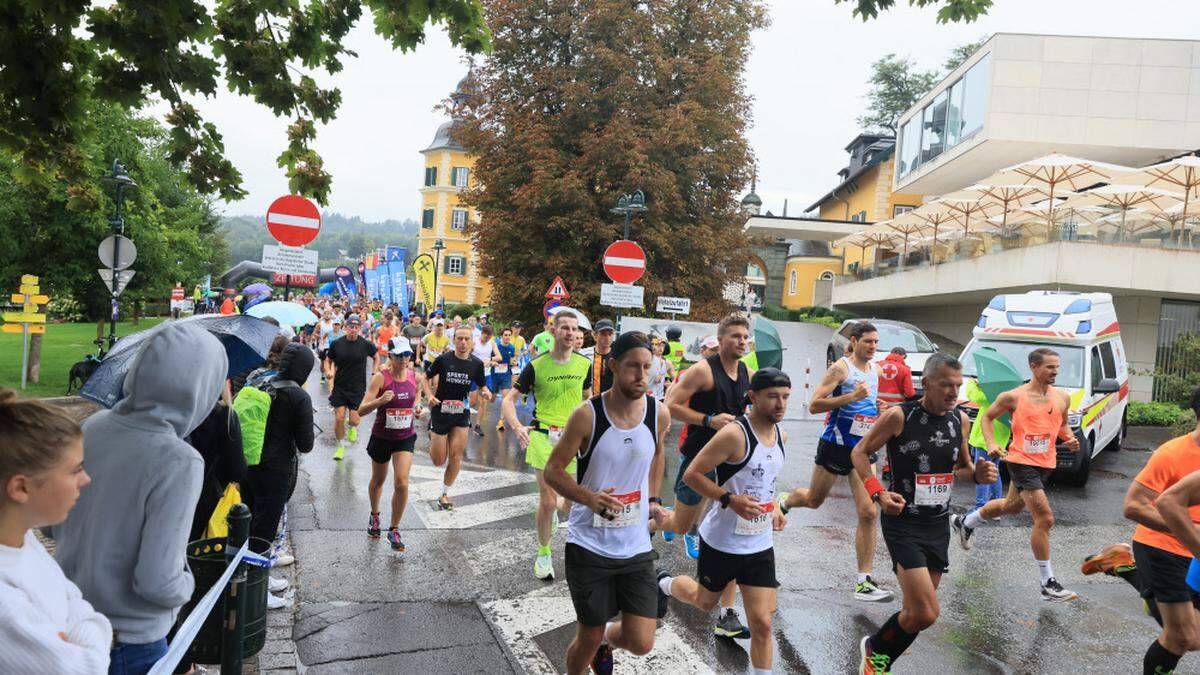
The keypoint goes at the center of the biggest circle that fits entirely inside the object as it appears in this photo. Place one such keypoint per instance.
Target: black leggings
(269, 491)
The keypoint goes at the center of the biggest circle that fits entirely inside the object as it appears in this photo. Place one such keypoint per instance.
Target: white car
(892, 334)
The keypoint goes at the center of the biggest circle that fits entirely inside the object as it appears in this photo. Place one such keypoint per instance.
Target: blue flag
(399, 286)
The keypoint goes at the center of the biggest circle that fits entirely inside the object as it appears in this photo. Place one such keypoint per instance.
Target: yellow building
(448, 171)
(864, 193)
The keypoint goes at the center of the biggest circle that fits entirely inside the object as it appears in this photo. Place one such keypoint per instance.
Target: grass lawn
(62, 345)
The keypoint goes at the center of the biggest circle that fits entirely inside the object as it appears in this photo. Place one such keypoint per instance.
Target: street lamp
(628, 205)
(438, 247)
(121, 179)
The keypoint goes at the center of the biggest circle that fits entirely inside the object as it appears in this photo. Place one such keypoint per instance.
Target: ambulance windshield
(1070, 370)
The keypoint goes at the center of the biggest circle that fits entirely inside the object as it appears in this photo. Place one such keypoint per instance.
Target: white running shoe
(276, 584)
(277, 602)
(543, 567)
(284, 559)
(1052, 591)
(869, 591)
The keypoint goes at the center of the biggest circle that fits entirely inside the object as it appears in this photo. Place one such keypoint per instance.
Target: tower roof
(445, 137)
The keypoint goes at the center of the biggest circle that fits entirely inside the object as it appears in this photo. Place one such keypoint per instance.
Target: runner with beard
(448, 382)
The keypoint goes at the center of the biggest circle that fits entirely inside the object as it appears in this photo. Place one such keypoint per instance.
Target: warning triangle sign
(558, 290)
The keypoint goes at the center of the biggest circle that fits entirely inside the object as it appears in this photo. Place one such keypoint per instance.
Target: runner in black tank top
(927, 448)
(726, 396)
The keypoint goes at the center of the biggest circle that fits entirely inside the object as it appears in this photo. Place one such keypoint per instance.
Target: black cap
(674, 332)
(603, 324)
(630, 340)
(769, 377)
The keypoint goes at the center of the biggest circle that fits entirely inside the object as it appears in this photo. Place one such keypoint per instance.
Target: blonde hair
(33, 435)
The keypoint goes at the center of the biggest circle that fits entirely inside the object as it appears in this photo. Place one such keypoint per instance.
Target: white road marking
(521, 620)
(487, 558)
(463, 517)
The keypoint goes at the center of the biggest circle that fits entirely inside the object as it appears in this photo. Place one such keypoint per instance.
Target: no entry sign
(293, 220)
(624, 261)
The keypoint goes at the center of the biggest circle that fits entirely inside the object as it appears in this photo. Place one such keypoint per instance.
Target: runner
(926, 443)
(602, 376)
(383, 339)
(675, 347)
(448, 382)
(557, 380)
(483, 348)
(435, 342)
(324, 333)
(618, 440)
(395, 393)
(708, 397)
(737, 469)
(1039, 416)
(661, 371)
(847, 393)
(347, 361)
(543, 342)
(415, 333)
(501, 379)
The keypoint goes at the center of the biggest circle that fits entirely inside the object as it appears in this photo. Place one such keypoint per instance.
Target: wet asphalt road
(463, 599)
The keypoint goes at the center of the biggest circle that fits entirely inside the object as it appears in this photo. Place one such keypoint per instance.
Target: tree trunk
(35, 358)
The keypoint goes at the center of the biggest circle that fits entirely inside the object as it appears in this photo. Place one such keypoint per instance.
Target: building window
(430, 175)
(860, 217)
(456, 265)
(458, 219)
(427, 219)
(901, 208)
(792, 280)
(952, 117)
(458, 176)
(826, 276)
(975, 91)
(753, 270)
(933, 128)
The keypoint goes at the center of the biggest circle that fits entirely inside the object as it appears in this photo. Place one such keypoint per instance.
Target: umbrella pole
(1183, 221)
(1050, 209)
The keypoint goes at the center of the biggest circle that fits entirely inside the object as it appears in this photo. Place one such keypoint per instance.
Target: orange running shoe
(1109, 559)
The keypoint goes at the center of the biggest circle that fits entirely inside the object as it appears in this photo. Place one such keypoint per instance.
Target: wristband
(655, 500)
(725, 499)
(707, 419)
(873, 486)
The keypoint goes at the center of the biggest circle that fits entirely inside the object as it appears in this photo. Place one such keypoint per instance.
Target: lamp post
(438, 247)
(628, 205)
(122, 180)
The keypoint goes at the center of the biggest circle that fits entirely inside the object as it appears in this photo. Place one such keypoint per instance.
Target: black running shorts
(715, 569)
(382, 449)
(340, 398)
(601, 587)
(914, 543)
(835, 458)
(1163, 575)
(441, 424)
(1028, 477)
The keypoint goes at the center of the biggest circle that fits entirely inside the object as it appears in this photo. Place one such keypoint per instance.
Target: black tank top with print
(922, 461)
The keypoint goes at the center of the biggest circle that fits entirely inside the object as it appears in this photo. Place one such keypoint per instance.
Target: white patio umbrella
(967, 212)
(907, 228)
(1057, 173)
(1125, 197)
(933, 215)
(1135, 221)
(1007, 197)
(1181, 174)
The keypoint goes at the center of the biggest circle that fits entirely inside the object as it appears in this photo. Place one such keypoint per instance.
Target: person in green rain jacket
(985, 491)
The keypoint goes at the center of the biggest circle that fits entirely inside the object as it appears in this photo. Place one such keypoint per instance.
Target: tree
(356, 245)
(948, 10)
(896, 84)
(58, 57)
(582, 101)
(173, 226)
(962, 53)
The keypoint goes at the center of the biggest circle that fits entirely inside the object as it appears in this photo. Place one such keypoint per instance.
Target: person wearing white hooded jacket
(124, 544)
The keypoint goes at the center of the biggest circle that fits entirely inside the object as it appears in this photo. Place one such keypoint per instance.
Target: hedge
(1143, 414)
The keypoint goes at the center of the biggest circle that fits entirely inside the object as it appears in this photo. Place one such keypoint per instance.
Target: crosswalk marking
(472, 515)
(494, 555)
(467, 483)
(521, 620)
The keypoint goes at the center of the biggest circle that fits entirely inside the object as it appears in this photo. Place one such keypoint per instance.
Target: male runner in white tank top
(736, 537)
(617, 438)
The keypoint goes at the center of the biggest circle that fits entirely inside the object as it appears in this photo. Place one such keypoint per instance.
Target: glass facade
(953, 116)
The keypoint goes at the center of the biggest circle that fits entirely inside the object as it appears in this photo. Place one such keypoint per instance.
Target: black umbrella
(245, 338)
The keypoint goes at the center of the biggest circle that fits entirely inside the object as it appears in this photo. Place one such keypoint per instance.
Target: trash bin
(206, 558)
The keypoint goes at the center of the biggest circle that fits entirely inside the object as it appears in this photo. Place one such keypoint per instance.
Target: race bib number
(760, 524)
(1037, 445)
(500, 368)
(414, 342)
(398, 418)
(453, 407)
(861, 425)
(933, 489)
(630, 513)
(554, 433)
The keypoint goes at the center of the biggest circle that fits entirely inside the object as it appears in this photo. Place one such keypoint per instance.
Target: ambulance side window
(1106, 357)
(1097, 372)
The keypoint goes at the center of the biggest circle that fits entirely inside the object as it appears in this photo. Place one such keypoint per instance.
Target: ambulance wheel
(1083, 464)
(1115, 444)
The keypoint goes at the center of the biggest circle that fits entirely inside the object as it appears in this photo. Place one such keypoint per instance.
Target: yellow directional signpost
(27, 321)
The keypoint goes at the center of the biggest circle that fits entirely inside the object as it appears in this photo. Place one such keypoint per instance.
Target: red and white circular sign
(624, 261)
(293, 220)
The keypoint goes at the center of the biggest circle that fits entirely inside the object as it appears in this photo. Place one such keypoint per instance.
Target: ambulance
(1083, 329)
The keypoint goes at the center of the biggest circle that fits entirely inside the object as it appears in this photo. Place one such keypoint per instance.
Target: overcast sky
(807, 76)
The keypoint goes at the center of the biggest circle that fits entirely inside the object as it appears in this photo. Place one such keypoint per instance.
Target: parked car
(1083, 329)
(892, 334)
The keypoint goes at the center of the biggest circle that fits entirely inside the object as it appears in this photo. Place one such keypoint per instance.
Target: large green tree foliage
(949, 11)
(172, 225)
(57, 57)
(581, 101)
(896, 84)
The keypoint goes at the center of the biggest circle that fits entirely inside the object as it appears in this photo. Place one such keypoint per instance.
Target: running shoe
(500, 425)
(662, 597)
(393, 537)
(352, 434)
(869, 591)
(668, 535)
(339, 452)
(1052, 591)
(959, 526)
(284, 559)
(1112, 559)
(692, 542)
(276, 584)
(478, 430)
(277, 602)
(543, 567)
(872, 663)
(781, 502)
(373, 526)
(602, 662)
(444, 503)
(730, 626)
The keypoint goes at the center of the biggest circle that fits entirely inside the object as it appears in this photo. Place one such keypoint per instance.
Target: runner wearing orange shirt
(1039, 422)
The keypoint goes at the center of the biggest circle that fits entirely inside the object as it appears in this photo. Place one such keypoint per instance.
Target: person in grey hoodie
(124, 544)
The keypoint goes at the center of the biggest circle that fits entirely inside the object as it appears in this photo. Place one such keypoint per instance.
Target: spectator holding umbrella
(126, 544)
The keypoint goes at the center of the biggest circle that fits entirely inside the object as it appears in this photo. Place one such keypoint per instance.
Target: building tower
(443, 217)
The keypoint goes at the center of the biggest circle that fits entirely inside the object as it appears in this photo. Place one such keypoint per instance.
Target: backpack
(253, 406)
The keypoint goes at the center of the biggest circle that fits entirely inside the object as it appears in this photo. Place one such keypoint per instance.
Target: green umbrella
(996, 375)
(767, 344)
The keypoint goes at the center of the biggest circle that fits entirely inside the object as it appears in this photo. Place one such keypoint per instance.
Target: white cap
(710, 342)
